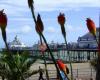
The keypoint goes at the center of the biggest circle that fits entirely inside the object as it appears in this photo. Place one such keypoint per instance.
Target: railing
(76, 55)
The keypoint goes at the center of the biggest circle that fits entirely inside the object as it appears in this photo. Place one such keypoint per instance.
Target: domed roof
(89, 35)
(16, 43)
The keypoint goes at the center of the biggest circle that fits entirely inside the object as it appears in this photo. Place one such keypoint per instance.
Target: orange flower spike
(61, 21)
(91, 26)
(39, 25)
(61, 65)
(3, 24)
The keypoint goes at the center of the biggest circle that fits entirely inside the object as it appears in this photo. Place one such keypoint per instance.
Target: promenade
(81, 71)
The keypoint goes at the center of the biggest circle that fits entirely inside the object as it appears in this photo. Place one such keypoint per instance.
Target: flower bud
(91, 26)
(3, 24)
(30, 3)
(3, 20)
(39, 25)
(61, 19)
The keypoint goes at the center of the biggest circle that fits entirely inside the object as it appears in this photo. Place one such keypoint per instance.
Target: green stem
(71, 69)
(96, 41)
(33, 15)
(52, 57)
(46, 45)
(47, 75)
(98, 59)
(40, 39)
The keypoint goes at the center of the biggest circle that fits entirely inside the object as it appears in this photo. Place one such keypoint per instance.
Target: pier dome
(16, 43)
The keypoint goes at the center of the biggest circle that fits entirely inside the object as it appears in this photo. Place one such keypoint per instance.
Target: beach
(80, 70)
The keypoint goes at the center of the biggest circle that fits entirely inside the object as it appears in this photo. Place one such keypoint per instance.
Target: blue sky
(20, 20)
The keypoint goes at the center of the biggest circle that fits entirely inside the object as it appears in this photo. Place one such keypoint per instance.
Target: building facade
(88, 40)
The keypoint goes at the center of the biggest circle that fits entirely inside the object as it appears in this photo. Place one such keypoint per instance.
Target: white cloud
(65, 4)
(21, 19)
(52, 30)
(71, 28)
(23, 30)
(13, 6)
(26, 29)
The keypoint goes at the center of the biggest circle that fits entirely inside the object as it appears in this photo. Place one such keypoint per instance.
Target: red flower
(3, 24)
(39, 25)
(91, 26)
(62, 66)
(61, 19)
(3, 20)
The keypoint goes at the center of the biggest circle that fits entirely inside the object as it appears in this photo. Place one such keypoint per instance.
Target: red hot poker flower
(3, 24)
(3, 20)
(39, 25)
(91, 26)
(62, 66)
(61, 19)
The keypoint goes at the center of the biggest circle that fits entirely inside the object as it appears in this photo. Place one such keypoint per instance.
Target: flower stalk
(30, 3)
(3, 24)
(42, 50)
(61, 21)
(69, 60)
(92, 29)
(53, 59)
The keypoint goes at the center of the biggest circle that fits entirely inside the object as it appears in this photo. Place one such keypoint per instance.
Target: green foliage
(23, 62)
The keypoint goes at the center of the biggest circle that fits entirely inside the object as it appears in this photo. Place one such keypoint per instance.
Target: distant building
(72, 45)
(16, 43)
(36, 46)
(88, 40)
(53, 45)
